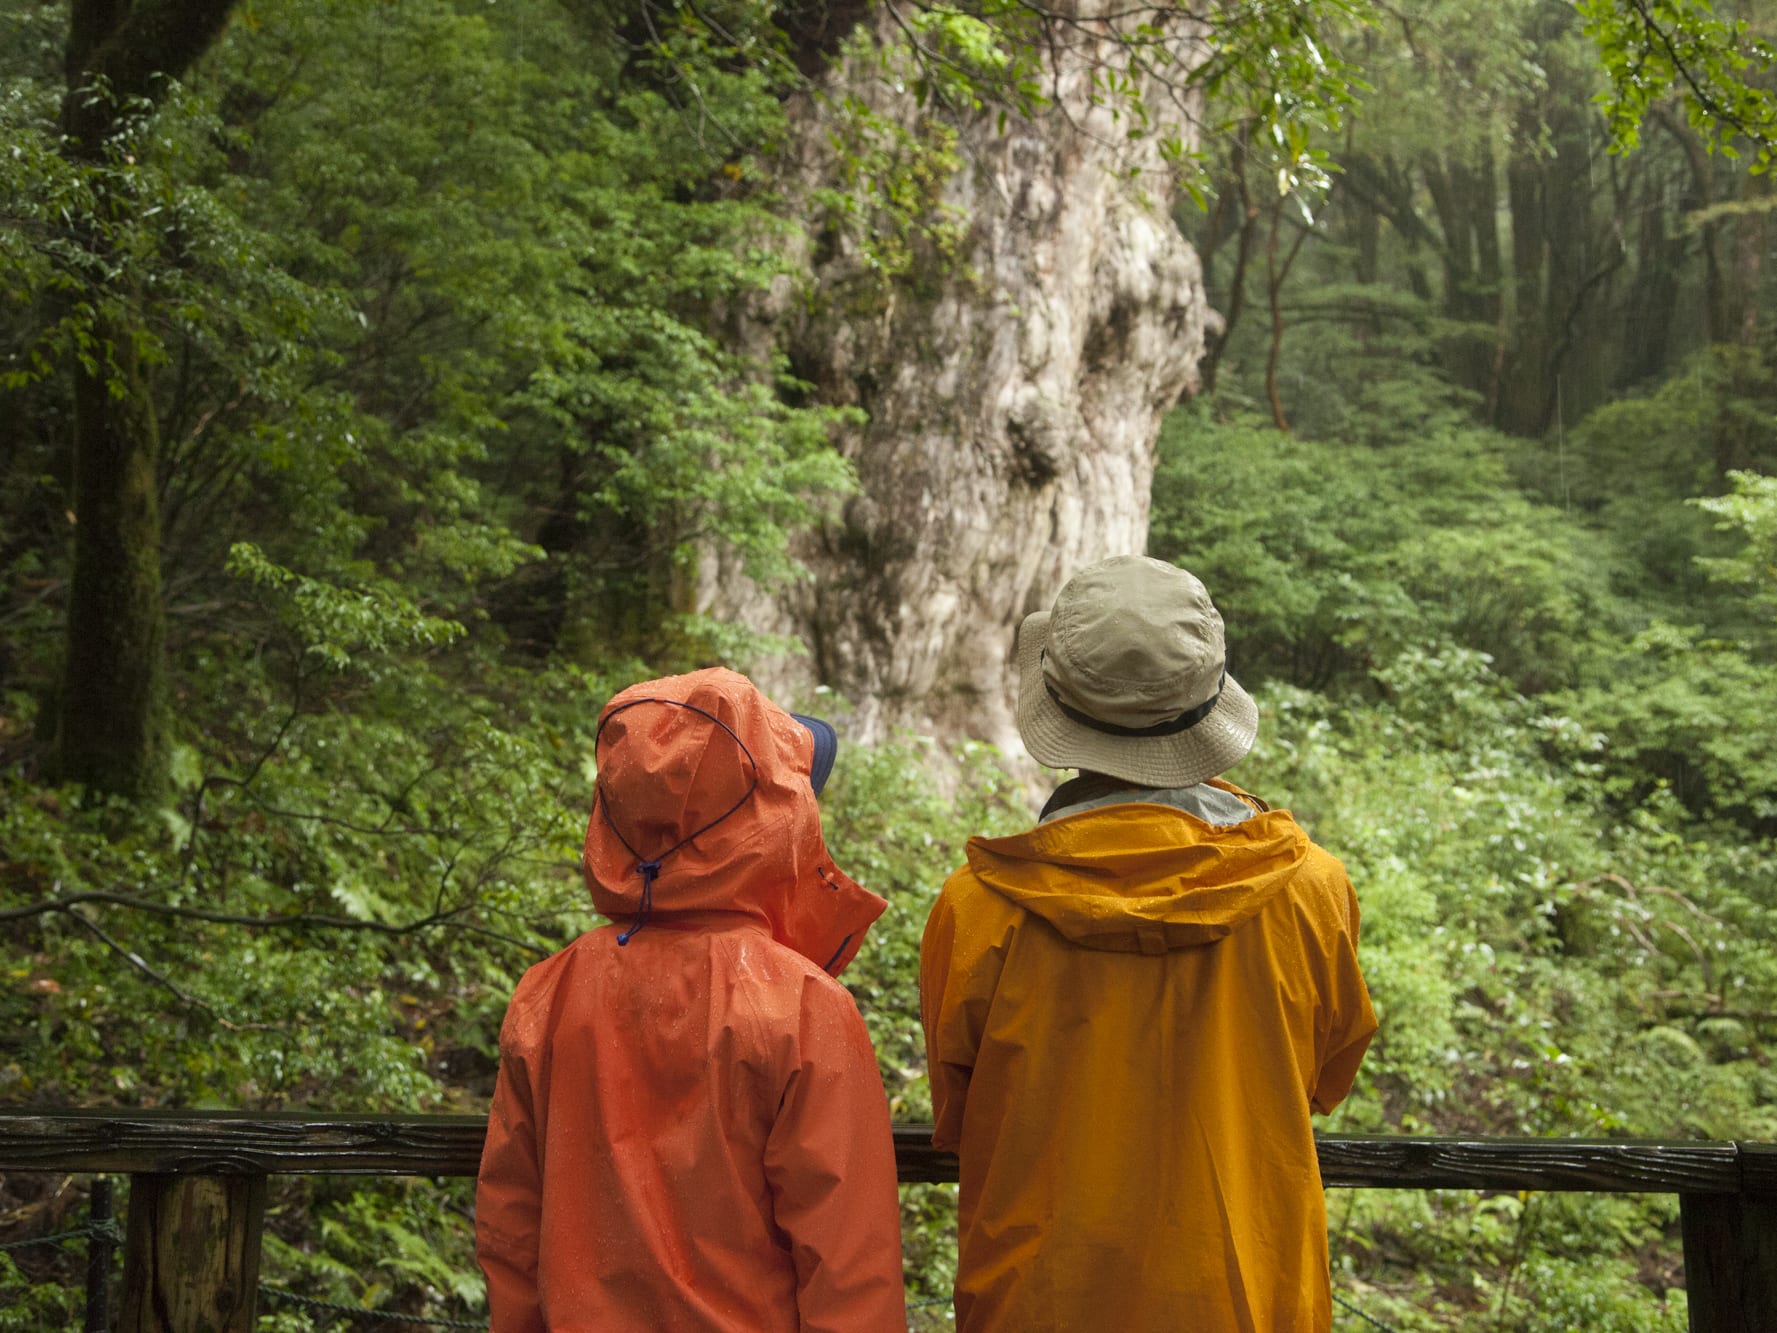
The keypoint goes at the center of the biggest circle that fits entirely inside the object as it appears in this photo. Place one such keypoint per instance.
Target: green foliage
(486, 246)
(896, 817)
(1645, 474)
(1670, 713)
(27, 1306)
(38, 189)
(888, 202)
(1558, 1296)
(1749, 510)
(331, 916)
(365, 1245)
(1653, 48)
(431, 303)
(333, 624)
(1482, 62)
(966, 60)
(1627, 466)
(1480, 132)
(1335, 556)
(1272, 68)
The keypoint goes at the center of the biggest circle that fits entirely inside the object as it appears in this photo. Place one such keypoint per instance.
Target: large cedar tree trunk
(1014, 398)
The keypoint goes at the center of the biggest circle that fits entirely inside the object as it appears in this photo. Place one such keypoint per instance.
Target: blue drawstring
(649, 870)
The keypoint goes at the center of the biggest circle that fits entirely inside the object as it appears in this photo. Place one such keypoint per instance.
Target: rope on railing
(923, 1305)
(359, 1312)
(105, 1230)
(108, 1229)
(1367, 1318)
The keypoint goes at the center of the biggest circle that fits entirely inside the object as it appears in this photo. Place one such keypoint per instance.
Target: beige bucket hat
(1127, 675)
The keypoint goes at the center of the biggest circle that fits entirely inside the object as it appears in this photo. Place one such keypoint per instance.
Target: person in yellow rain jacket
(689, 1131)
(1132, 1009)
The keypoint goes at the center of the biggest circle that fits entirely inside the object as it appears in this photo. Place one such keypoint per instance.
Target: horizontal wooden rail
(223, 1143)
(198, 1197)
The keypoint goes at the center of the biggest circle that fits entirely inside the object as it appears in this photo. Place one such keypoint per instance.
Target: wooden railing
(197, 1194)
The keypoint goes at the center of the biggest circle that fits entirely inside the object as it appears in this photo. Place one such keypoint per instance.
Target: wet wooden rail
(197, 1197)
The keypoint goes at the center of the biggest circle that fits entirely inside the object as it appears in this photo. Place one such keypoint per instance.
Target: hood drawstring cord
(650, 870)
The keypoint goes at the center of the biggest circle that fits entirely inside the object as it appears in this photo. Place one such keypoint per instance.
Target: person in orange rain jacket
(1132, 1009)
(689, 1131)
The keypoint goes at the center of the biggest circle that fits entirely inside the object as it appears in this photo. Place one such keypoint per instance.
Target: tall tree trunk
(1558, 261)
(1276, 274)
(1236, 199)
(110, 733)
(1720, 300)
(1650, 311)
(1752, 232)
(1465, 198)
(1564, 254)
(1528, 378)
(1695, 215)
(1383, 188)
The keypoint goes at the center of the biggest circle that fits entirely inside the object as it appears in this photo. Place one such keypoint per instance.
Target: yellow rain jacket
(1129, 1015)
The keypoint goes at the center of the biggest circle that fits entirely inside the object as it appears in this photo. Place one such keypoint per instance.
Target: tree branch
(301, 920)
(135, 960)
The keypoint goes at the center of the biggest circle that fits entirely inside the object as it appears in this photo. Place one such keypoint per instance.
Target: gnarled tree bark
(1014, 397)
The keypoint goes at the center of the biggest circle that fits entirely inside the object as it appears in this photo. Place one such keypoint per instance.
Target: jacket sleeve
(830, 1165)
(959, 969)
(508, 1203)
(1351, 1022)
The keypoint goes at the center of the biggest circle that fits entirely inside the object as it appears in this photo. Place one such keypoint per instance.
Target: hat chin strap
(1171, 727)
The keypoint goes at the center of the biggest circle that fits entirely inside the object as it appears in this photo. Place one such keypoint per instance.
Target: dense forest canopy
(382, 379)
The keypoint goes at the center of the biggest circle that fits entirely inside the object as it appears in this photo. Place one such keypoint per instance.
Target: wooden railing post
(1730, 1249)
(1730, 1263)
(191, 1254)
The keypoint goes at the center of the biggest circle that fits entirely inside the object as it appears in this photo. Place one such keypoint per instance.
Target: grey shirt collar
(1091, 791)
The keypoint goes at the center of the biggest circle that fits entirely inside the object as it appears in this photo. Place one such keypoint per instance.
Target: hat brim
(1187, 757)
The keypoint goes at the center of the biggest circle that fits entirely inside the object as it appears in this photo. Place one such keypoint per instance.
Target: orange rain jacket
(1129, 1014)
(689, 1130)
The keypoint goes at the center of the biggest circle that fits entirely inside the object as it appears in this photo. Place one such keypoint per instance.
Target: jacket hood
(706, 779)
(1140, 878)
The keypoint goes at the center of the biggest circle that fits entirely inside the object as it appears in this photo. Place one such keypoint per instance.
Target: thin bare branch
(136, 961)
